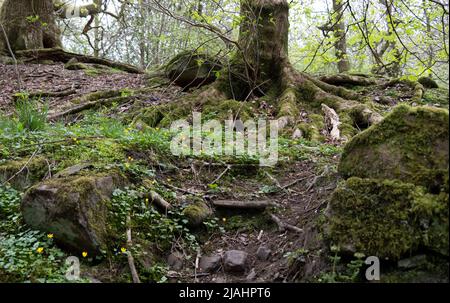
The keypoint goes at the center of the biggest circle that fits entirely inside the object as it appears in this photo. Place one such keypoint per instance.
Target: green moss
(410, 144)
(386, 218)
(197, 213)
(24, 172)
(312, 130)
(288, 104)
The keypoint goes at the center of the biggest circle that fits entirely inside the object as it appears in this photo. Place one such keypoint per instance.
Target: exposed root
(416, 87)
(349, 80)
(243, 204)
(58, 54)
(284, 226)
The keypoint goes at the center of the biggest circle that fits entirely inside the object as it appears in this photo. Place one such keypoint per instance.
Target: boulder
(235, 261)
(410, 144)
(191, 69)
(175, 260)
(386, 218)
(74, 209)
(263, 253)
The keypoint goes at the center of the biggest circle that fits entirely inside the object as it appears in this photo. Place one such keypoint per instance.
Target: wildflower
(168, 179)
(146, 200)
(40, 250)
(50, 236)
(123, 250)
(224, 220)
(84, 254)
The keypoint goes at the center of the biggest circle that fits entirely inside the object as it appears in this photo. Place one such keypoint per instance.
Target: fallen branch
(243, 204)
(158, 200)
(88, 105)
(131, 264)
(284, 226)
(42, 94)
(58, 54)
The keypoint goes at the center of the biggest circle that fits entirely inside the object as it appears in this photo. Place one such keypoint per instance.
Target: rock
(251, 275)
(235, 261)
(74, 209)
(24, 173)
(427, 82)
(412, 262)
(386, 218)
(210, 263)
(175, 260)
(410, 144)
(263, 253)
(197, 213)
(189, 69)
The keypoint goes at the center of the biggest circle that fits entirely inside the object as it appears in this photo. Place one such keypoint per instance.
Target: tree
(340, 35)
(31, 24)
(261, 66)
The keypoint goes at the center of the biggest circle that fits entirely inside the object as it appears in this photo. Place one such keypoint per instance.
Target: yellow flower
(50, 236)
(123, 250)
(224, 219)
(75, 139)
(146, 200)
(84, 254)
(40, 250)
(168, 179)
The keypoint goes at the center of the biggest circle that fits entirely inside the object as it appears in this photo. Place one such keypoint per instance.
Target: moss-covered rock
(74, 209)
(410, 144)
(427, 82)
(386, 218)
(190, 68)
(197, 213)
(23, 173)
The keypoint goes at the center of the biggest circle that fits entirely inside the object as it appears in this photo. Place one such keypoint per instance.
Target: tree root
(58, 54)
(243, 204)
(349, 80)
(417, 88)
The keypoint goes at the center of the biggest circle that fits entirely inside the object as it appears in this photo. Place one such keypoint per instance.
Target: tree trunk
(340, 35)
(263, 40)
(28, 24)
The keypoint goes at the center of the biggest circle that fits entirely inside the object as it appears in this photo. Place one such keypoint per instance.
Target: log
(284, 226)
(60, 55)
(243, 204)
(154, 197)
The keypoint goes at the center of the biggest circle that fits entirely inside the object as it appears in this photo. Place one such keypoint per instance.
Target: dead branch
(284, 226)
(154, 197)
(131, 264)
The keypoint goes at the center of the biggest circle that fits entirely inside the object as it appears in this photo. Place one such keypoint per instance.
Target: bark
(340, 35)
(28, 25)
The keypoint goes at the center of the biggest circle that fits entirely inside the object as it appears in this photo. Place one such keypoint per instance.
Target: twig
(133, 270)
(222, 174)
(284, 226)
(243, 204)
(23, 167)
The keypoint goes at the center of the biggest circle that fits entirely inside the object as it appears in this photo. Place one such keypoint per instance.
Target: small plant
(29, 115)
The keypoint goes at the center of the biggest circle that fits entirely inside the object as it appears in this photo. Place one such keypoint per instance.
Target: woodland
(92, 97)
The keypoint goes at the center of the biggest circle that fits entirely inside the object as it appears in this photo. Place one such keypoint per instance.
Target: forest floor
(299, 185)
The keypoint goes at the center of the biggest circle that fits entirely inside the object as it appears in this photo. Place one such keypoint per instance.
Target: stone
(386, 218)
(263, 253)
(74, 209)
(175, 260)
(235, 261)
(410, 144)
(210, 263)
(190, 69)
(251, 275)
(427, 82)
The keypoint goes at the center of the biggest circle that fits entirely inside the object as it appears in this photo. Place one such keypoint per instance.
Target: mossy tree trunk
(261, 66)
(28, 24)
(341, 36)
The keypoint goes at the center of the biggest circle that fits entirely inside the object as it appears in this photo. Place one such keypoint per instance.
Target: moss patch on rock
(23, 173)
(197, 213)
(386, 218)
(410, 144)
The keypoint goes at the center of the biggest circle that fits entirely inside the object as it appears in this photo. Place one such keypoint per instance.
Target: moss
(74, 209)
(197, 213)
(288, 104)
(385, 218)
(410, 144)
(33, 171)
(427, 82)
(226, 109)
(311, 130)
